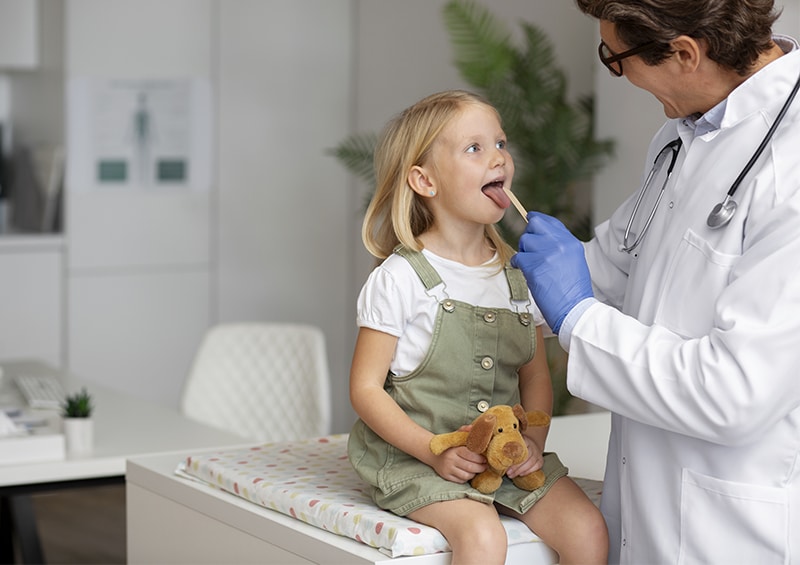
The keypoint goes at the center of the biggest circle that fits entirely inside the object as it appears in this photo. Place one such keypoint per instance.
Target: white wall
(137, 258)
(291, 78)
(285, 238)
(285, 206)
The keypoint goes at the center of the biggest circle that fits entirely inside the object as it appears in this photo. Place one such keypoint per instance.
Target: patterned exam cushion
(312, 480)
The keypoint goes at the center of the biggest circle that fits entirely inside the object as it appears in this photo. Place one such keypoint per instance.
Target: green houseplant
(551, 137)
(78, 425)
(78, 405)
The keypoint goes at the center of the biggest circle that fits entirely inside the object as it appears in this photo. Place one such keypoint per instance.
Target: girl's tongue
(494, 190)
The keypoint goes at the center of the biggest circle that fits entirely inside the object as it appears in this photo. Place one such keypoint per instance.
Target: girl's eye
(472, 148)
(501, 144)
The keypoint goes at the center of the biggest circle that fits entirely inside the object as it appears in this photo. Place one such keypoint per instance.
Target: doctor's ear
(420, 182)
(688, 51)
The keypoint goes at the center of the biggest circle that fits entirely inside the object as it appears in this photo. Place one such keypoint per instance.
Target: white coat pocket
(729, 522)
(695, 279)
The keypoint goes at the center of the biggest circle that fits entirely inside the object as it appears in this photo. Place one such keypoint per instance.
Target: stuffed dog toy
(497, 435)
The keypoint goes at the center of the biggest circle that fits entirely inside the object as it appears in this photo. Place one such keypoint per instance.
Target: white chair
(263, 381)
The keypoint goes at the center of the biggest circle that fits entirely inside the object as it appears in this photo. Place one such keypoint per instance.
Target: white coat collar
(775, 79)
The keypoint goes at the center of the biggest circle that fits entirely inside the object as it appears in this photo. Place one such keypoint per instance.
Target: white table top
(124, 427)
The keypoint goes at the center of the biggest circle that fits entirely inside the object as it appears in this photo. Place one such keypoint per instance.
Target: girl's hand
(459, 464)
(533, 463)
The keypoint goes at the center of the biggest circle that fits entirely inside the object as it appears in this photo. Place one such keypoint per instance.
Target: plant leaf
(356, 153)
(481, 44)
(550, 136)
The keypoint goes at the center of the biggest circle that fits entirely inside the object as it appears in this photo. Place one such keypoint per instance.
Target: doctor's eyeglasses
(613, 62)
(672, 149)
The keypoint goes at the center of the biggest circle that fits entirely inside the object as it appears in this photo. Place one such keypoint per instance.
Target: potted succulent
(76, 412)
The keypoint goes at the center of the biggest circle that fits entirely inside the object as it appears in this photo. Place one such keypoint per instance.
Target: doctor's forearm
(655, 377)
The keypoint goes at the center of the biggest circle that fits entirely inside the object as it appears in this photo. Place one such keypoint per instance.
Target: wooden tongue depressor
(517, 204)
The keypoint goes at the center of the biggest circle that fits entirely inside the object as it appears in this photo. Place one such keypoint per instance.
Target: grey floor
(82, 525)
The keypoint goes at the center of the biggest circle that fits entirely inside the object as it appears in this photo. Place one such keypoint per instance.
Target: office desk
(124, 427)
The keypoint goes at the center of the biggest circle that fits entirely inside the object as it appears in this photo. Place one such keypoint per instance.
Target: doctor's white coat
(696, 347)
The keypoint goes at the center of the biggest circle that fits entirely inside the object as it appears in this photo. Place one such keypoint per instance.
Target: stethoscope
(722, 213)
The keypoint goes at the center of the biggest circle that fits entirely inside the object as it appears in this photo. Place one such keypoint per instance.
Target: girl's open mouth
(494, 190)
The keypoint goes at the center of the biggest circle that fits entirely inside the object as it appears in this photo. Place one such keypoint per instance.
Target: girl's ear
(420, 182)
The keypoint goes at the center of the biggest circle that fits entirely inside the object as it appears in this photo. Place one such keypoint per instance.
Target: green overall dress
(471, 364)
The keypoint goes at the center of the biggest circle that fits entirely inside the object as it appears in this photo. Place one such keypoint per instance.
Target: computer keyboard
(40, 391)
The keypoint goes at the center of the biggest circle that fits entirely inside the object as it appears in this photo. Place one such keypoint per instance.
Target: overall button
(489, 317)
(483, 406)
(448, 305)
(525, 319)
(487, 363)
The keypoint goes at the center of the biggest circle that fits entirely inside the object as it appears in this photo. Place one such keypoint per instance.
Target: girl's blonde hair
(396, 213)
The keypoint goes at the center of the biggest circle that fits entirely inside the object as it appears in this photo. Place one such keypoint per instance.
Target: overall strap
(427, 274)
(430, 278)
(517, 283)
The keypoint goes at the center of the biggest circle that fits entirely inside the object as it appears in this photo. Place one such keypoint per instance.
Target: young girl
(448, 329)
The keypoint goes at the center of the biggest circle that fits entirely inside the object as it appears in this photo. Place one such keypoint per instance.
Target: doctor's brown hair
(396, 214)
(736, 31)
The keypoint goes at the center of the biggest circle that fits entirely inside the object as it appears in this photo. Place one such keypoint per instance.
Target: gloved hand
(554, 265)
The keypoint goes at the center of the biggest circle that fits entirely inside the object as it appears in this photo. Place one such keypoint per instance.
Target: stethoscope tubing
(767, 138)
(722, 213)
(675, 147)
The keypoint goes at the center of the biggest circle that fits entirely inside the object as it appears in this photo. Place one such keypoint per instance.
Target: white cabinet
(31, 303)
(19, 34)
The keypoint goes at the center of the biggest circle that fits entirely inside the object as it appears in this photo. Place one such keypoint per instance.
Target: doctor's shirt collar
(702, 124)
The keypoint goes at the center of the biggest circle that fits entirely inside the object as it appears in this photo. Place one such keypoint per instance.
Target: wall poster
(138, 133)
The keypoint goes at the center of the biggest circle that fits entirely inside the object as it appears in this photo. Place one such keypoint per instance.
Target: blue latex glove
(553, 262)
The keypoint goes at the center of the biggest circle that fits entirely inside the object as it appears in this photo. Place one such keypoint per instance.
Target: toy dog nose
(512, 450)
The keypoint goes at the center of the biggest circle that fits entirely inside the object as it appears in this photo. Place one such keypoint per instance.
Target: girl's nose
(499, 158)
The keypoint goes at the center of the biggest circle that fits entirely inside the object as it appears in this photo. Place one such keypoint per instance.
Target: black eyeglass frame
(617, 58)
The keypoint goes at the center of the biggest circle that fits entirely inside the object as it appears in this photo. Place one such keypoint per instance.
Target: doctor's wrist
(571, 319)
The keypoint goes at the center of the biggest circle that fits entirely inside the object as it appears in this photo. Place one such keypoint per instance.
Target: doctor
(682, 315)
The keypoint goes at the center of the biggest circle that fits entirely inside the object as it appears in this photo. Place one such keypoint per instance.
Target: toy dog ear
(481, 433)
(520, 414)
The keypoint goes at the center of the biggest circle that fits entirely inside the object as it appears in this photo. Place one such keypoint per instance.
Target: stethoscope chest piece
(722, 213)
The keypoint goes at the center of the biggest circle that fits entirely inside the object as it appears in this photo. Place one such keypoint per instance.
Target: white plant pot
(79, 436)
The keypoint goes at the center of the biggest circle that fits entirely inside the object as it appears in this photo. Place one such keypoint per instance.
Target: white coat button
(483, 406)
(489, 317)
(624, 460)
(487, 363)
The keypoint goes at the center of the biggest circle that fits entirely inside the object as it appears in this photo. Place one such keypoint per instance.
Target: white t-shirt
(394, 301)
